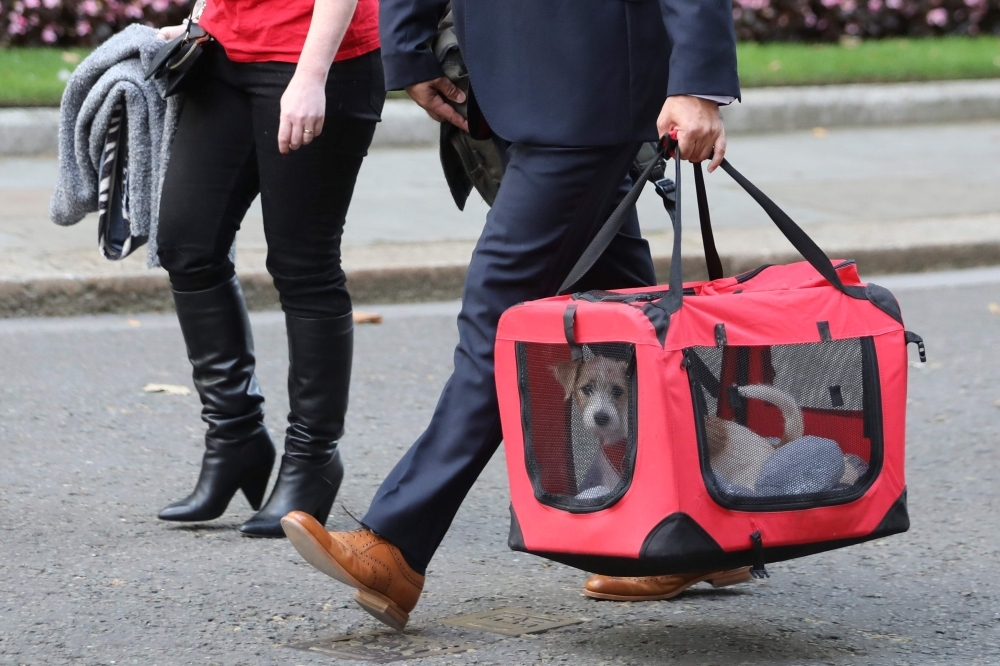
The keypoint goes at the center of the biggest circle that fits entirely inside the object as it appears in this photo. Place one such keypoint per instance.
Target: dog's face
(599, 386)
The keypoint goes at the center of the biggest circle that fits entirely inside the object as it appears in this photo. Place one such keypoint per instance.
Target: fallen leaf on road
(169, 389)
(819, 132)
(361, 317)
(994, 308)
(133, 322)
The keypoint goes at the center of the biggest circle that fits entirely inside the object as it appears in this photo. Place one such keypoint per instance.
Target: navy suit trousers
(550, 206)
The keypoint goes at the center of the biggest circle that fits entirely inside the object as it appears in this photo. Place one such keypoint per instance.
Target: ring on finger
(307, 131)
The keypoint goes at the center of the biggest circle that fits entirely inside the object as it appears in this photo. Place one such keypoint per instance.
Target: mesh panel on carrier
(787, 426)
(579, 420)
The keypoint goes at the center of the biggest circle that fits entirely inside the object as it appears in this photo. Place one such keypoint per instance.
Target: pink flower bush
(937, 16)
(828, 20)
(80, 22)
(89, 22)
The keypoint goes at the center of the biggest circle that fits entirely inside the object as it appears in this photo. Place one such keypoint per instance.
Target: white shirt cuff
(718, 99)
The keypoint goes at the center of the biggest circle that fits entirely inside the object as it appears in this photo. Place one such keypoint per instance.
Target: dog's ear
(622, 367)
(566, 375)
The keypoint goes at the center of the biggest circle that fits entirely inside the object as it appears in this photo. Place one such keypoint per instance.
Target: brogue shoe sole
(312, 551)
(728, 578)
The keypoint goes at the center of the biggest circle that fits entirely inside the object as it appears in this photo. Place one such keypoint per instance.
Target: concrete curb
(798, 108)
(29, 131)
(135, 294)
(35, 131)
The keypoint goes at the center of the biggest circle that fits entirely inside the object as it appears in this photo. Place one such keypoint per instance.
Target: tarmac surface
(88, 575)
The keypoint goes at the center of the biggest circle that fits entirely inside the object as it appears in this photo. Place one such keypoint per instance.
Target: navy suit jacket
(570, 72)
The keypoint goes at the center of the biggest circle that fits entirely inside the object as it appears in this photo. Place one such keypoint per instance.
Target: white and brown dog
(600, 388)
(738, 453)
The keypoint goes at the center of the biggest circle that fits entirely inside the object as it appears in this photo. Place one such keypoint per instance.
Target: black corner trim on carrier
(883, 299)
(678, 544)
(659, 318)
(678, 537)
(569, 324)
(515, 540)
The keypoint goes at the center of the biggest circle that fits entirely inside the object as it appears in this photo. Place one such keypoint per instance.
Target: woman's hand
(171, 32)
(303, 107)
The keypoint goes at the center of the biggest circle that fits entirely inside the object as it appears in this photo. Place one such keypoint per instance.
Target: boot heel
(255, 485)
(323, 512)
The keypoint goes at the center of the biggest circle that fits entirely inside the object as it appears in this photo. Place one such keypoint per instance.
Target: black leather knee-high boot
(239, 454)
(319, 375)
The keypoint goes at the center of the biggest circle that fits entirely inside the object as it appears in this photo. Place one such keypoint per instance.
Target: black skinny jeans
(225, 152)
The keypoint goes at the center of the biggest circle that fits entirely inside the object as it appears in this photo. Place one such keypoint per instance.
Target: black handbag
(114, 226)
(176, 59)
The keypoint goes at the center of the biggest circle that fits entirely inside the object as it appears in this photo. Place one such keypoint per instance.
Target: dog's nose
(602, 419)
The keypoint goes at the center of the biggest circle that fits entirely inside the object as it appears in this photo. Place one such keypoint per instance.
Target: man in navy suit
(570, 88)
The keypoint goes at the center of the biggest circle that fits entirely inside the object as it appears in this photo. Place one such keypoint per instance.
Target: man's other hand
(699, 128)
(430, 95)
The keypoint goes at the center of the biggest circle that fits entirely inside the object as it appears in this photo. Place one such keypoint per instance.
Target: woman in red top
(283, 104)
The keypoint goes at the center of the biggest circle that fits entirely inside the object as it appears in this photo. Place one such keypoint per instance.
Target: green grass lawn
(36, 76)
(869, 62)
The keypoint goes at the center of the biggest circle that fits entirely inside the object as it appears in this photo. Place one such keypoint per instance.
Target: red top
(275, 30)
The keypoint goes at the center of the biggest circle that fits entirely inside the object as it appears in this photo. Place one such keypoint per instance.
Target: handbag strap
(799, 239)
(712, 259)
(667, 190)
(614, 223)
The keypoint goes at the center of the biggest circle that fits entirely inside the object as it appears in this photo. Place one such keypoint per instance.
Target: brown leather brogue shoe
(386, 585)
(654, 588)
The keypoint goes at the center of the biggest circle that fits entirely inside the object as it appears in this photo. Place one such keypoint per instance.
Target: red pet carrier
(705, 426)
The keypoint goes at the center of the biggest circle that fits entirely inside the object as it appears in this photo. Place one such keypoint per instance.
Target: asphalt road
(89, 576)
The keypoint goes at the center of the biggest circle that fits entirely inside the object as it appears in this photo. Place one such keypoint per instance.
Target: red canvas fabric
(781, 305)
(275, 30)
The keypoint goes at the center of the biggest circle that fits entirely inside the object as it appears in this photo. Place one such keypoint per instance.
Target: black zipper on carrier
(913, 338)
(749, 275)
(598, 296)
(758, 570)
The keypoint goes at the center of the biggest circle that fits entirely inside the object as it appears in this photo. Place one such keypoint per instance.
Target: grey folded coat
(114, 73)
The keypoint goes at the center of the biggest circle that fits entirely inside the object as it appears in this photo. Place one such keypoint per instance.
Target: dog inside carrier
(787, 425)
(580, 422)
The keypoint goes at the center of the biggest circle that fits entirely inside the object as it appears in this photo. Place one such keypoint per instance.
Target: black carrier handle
(669, 147)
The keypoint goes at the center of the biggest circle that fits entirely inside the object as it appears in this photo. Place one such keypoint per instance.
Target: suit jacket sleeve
(703, 54)
(406, 28)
